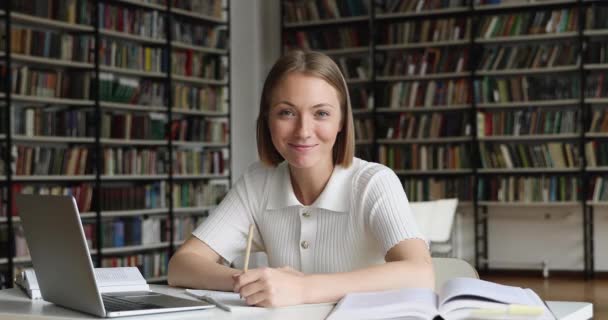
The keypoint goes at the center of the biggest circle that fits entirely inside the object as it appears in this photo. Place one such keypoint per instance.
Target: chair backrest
(448, 268)
(435, 218)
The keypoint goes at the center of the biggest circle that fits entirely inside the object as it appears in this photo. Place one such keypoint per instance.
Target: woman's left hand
(271, 287)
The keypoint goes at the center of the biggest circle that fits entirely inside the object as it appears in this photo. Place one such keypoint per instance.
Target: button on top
(304, 244)
(306, 214)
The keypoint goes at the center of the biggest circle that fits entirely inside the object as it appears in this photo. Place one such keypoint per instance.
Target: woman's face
(304, 120)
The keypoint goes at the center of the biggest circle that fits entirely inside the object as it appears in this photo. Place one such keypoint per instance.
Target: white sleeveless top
(361, 214)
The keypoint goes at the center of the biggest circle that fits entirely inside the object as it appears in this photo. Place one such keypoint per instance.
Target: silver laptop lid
(60, 255)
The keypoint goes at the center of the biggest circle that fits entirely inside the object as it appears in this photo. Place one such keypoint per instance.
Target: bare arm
(408, 265)
(196, 265)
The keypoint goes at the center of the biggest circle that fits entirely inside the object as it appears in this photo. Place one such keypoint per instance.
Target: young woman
(330, 223)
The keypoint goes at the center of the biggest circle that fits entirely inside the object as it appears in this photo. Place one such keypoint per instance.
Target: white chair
(436, 220)
(448, 268)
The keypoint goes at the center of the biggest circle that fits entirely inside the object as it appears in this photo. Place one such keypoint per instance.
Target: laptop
(64, 269)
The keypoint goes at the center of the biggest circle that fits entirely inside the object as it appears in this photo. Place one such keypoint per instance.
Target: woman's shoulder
(366, 171)
(258, 172)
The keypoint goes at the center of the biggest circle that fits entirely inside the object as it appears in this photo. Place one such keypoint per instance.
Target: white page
(30, 279)
(228, 298)
(414, 302)
(123, 276)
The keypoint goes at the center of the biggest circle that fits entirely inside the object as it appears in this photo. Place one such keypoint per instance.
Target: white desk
(15, 305)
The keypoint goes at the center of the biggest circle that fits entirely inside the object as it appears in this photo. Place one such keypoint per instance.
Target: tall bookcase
(123, 104)
(499, 103)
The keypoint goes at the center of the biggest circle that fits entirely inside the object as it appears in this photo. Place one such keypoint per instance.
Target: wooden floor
(563, 288)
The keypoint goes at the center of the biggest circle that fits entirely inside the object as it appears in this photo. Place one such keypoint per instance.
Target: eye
(285, 113)
(322, 114)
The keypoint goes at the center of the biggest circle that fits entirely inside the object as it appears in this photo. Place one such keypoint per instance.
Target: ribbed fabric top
(361, 214)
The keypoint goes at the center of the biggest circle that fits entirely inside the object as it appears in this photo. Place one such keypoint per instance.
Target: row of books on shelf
(596, 153)
(421, 5)
(299, 11)
(33, 121)
(151, 265)
(72, 11)
(214, 130)
(597, 52)
(435, 125)
(528, 189)
(47, 83)
(130, 196)
(529, 56)
(183, 226)
(194, 64)
(422, 157)
(131, 55)
(199, 34)
(81, 11)
(49, 44)
(128, 126)
(544, 155)
(52, 161)
(526, 88)
(597, 17)
(535, 22)
(134, 161)
(145, 23)
(423, 31)
(201, 162)
(198, 194)
(339, 38)
(530, 122)
(200, 98)
(425, 189)
(599, 121)
(120, 89)
(411, 94)
(364, 128)
(133, 231)
(354, 67)
(425, 61)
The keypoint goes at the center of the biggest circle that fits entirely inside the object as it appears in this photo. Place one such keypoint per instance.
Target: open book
(459, 298)
(108, 280)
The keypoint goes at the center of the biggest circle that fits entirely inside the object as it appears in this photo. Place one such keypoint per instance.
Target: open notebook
(459, 298)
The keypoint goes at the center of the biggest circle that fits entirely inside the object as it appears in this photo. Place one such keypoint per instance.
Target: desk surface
(14, 304)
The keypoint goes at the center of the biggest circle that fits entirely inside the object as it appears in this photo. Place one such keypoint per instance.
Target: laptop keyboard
(118, 304)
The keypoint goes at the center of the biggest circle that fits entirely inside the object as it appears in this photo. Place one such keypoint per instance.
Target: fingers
(252, 288)
(243, 279)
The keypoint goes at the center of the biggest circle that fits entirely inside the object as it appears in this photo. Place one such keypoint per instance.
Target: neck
(308, 183)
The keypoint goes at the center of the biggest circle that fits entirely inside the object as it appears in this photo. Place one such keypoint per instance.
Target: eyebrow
(319, 105)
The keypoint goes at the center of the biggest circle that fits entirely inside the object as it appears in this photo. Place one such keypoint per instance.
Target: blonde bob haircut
(317, 65)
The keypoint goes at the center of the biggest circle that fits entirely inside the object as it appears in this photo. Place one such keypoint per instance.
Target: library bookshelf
(123, 104)
(500, 103)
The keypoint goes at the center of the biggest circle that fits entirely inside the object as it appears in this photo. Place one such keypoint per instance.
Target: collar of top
(335, 196)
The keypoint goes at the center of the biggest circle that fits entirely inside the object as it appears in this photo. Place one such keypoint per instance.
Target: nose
(304, 129)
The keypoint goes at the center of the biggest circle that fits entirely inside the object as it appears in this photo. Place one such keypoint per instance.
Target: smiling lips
(302, 147)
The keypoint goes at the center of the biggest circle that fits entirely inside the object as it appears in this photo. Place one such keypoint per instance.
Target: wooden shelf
(131, 37)
(597, 169)
(431, 76)
(538, 103)
(49, 61)
(127, 249)
(49, 23)
(134, 177)
(345, 51)
(397, 15)
(362, 112)
(425, 140)
(486, 7)
(326, 22)
(194, 144)
(48, 139)
(131, 72)
(53, 178)
(48, 100)
(425, 109)
(197, 80)
(109, 141)
(510, 171)
(529, 137)
(132, 107)
(364, 141)
(131, 213)
(595, 32)
(596, 135)
(601, 204)
(529, 204)
(357, 81)
(596, 100)
(190, 210)
(417, 45)
(199, 16)
(200, 176)
(186, 46)
(434, 172)
(205, 113)
(144, 4)
(595, 66)
(529, 37)
(512, 72)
